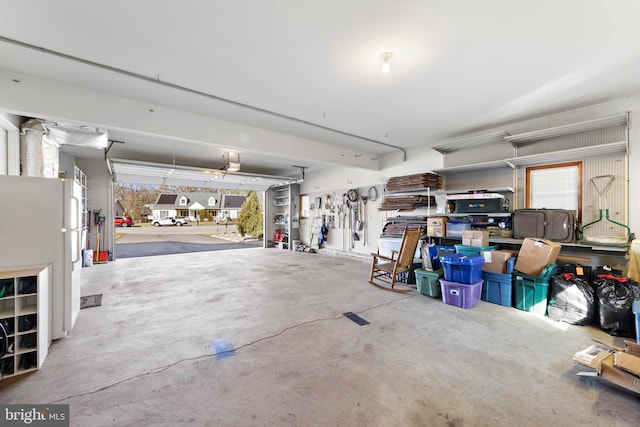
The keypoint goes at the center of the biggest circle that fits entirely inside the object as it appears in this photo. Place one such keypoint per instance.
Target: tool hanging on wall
(603, 205)
(354, 221)
(364, 221)
(99, 254)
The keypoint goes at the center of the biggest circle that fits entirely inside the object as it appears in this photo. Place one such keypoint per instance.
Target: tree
(134, 197)
(250, 220)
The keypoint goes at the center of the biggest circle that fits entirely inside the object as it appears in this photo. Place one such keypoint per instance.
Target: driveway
(146, 240)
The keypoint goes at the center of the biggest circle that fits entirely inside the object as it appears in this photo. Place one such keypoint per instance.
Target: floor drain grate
(355, 318)
(91, 301)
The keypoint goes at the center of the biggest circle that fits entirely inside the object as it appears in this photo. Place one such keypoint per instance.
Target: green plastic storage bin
(473, 250)
(428, 282)
(531, 293)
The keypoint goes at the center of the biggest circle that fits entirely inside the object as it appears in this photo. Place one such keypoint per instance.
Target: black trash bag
(572, 300)
(604, 269)
(615, 297)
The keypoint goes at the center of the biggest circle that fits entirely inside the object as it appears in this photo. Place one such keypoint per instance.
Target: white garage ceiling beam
(29, 95)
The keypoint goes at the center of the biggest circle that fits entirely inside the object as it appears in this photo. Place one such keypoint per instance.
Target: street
(143, 239)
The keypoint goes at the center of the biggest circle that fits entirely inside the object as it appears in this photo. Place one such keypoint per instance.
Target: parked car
(170, 221)
(123, 221)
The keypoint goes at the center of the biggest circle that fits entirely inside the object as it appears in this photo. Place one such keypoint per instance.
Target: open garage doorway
(144, 239)
(159, 209)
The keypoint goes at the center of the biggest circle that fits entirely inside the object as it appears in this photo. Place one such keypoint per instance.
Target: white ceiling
(457, 67)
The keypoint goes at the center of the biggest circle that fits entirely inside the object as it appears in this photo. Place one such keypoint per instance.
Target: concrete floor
(147, 355)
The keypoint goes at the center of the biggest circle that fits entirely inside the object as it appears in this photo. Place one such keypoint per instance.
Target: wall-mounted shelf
(412, 191)
(471, 141)
(542, 158)
(472, 167)
(569, 155)
(488, 190)
(537, 135)
(475, 196)
(490, 214)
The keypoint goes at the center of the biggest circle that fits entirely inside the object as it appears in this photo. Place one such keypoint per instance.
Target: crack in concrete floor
(204, 356)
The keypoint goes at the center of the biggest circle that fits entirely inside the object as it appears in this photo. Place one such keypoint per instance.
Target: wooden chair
(387, 270)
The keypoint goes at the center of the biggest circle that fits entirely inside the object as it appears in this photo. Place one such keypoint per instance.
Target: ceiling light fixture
(386, 57)
(232, 161)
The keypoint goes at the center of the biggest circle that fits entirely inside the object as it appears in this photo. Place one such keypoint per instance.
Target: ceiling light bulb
(385, 61)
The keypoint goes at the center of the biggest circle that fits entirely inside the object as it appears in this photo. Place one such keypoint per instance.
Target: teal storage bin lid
(463, 248)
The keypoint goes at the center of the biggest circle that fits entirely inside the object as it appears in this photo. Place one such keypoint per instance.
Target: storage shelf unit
(23, 316)
(282, 215)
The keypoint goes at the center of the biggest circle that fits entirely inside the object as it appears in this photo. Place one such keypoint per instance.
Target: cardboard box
(495, 261)
(629, 360)
(535, 254)
(475, 238)
(437, 226)
(602, 358)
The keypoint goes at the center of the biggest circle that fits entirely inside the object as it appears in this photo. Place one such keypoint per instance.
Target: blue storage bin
(436, 252)
(497, 288)
(462, 269)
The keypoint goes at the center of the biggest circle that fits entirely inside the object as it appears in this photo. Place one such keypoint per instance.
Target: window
(556, 186)
(304, 206)
(212, 201)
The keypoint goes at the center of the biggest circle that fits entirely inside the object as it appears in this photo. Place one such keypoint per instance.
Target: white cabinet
(24, 320)
(282, 216)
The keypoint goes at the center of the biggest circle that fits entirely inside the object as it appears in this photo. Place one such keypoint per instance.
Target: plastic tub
(428, 282)
(462, 268)
(531, 293)
(461, 294)
(436, 252)
(497, 288)
(455, 228)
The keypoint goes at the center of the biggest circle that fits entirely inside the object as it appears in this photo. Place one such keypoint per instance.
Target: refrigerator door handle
(76, 228)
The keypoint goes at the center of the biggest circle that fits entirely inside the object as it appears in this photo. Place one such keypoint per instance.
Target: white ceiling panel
(311, 70)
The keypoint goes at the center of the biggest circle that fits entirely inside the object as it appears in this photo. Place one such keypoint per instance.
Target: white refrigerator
(41, 223)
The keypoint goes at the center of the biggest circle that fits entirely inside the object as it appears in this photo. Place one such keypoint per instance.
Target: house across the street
(214, 207)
